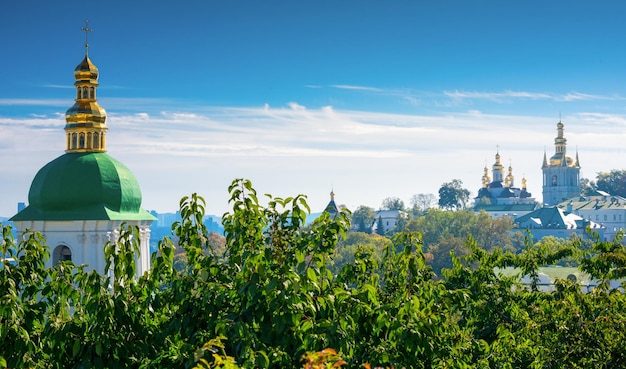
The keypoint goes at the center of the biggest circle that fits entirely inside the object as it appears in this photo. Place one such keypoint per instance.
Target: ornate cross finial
(87, 30)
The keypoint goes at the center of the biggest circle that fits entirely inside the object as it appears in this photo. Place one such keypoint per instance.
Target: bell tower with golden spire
(497, 169)
(79, 199)
(561, 173)
(85, 121)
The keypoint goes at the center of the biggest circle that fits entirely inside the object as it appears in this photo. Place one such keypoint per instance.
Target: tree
(422, 202)
(452, 195)
(392, 203)
(446, 231)
(380, 226)
(272, 300)
(356, 244)
(363, 219)
(613, 182)
(586, 186)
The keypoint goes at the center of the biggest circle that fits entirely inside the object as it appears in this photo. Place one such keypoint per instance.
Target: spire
(509, 180)
(577, 164)
(486, 178)
(560, 142)
(85, 127)
(497, 169)
(545, 159)
(87, 30)
(332, 208)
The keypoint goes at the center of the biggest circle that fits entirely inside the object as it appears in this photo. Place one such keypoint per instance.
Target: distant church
(561, 174)
(78, 200)
(499, 196)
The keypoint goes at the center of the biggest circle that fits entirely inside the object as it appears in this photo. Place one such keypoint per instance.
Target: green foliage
(271, 299)
(356, 247)
(452, 195)
(613, 182)
(392, 203)
(363, 219)
(421, 202)
(444, 232)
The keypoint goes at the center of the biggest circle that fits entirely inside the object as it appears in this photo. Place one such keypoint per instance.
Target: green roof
(84, 186)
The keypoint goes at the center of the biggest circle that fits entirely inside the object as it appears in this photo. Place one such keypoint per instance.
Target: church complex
(78, 200)
(565, 211)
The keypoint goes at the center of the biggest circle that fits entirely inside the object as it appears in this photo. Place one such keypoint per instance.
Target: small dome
(85, 112)
(557, 159)
(85, 70)
(84, 186)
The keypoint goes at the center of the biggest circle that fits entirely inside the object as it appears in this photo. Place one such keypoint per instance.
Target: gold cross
(87, 30)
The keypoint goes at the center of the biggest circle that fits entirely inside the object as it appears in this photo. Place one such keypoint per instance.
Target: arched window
(74, 140)
(553, 180)
(61, 253)
(81, 144)
(96, 140)
(92, 93)
(85, 92)
(78, 92)
(89, 140)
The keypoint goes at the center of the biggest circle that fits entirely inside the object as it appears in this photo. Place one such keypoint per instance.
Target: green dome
(84, 186)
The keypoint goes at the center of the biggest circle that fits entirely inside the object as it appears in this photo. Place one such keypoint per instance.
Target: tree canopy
(444, 232)
(421, 202)
(363, 219)
(271, 301)
(452, 195)
(613, 182)
(392, 203)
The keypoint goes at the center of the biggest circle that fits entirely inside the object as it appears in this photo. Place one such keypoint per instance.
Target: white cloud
(291, 149)
(297, 107)
(360, 88)
(510, 94)
(36, 102)
(496, 96)
(60, 86)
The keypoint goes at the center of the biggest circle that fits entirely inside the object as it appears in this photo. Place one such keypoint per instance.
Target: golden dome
(86, 70)
(557, 160)
(85, 126)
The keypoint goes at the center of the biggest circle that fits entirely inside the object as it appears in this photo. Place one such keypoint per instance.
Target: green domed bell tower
(79, 199)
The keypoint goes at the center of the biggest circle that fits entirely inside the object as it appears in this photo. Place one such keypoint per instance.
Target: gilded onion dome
(560, 157)
(85, 126)
(509, 180)
(486, 179)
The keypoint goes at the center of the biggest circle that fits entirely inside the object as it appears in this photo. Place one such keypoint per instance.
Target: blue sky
(370, 98)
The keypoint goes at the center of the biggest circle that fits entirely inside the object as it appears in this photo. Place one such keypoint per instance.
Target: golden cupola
(508, 181)
(560, 157)
(486, 178)
(85, 121)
